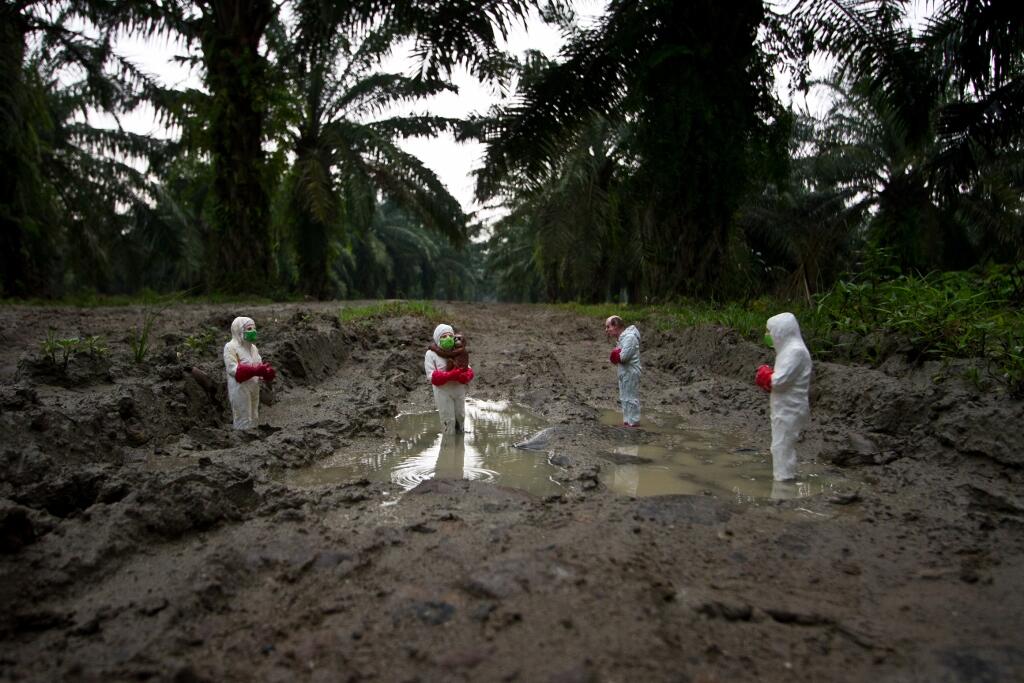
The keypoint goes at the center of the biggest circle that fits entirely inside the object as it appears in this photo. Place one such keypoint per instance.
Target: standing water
(672, 458)
(676, 459)
(417, 452)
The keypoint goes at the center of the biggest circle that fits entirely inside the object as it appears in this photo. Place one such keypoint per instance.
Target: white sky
(453, 162)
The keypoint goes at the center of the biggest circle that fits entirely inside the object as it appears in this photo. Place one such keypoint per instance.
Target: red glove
(267, 371)
(246, 371)
(763, 378)
(614, 358)
(466, 375)
(441, 377)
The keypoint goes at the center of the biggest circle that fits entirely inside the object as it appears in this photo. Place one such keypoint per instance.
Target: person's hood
(784, 329)
(632, 329)
(442, 329)
(238, 326)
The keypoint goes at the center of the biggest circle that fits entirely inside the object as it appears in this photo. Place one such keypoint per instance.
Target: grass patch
(389, 309)
(941, 316)
(139, 337)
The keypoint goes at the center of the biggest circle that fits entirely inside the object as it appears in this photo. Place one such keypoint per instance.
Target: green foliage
(389, 309)
(940, 316)
(146, 297)
(59, 351)
(139, 336)
(635, 149)
(201, 342)
(347, 153)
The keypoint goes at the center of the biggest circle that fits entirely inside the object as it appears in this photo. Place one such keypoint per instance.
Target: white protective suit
(791, 381)
(244, 396)
(629, 370)
(450, 398)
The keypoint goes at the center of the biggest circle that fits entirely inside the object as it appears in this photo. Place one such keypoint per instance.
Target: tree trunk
(238, 258)
(18, 278)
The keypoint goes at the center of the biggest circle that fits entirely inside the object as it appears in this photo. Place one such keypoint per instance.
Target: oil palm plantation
(237, 49)
(693, 86)
(346, 149)
(570, 225)
(68, 189)
(947, 107)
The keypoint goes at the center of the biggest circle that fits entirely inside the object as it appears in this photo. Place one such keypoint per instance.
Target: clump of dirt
(141, 537)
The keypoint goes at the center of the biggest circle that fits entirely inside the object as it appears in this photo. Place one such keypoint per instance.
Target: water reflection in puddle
(678, 460)
(417, 452)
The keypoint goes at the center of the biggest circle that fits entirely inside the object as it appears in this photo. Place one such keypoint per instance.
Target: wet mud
(141, 538)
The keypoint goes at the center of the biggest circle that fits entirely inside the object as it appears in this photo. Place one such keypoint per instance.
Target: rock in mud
(542, 439)
(16, 528)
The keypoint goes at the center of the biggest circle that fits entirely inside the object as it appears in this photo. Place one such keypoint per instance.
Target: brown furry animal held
(458, 357)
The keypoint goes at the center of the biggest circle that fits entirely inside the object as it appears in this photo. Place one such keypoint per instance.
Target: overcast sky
(453, 162)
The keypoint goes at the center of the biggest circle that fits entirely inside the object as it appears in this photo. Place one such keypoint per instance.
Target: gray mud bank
(143, 539)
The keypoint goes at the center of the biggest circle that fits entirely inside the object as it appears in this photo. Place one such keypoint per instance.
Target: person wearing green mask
(245, 370)
(448, 382)
(789, 384)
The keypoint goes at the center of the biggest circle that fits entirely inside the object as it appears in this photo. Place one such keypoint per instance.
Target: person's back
(626, 357)
(629, 355)
(789, 384)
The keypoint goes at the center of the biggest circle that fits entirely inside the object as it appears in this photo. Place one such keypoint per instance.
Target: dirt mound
(142, 538)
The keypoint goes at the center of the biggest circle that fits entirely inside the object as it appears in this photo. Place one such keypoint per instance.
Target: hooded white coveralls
(629, 370)
(450, 398)
(244, 396)
(791, 381)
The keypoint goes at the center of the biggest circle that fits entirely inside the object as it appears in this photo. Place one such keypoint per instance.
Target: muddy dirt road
(143, 539)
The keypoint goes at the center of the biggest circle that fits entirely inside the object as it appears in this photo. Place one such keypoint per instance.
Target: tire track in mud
(184, 577)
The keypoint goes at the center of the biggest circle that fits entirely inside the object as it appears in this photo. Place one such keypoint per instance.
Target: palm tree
(572, 218)
(67, 189)
(802, 233)
(237, 40)
(951, 104)
(346, 153)
(693, 85)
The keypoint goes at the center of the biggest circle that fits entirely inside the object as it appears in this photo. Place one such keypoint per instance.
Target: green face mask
(768, 341)
(249, 335)
(447, 343)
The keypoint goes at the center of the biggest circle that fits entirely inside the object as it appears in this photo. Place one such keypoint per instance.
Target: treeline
(285, 174)
(651, 161)
(654, 160)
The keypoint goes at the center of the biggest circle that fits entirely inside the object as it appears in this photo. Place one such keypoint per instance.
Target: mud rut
(142, 539)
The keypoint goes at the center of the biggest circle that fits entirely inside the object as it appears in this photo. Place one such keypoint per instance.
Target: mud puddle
(680, 460)
(415, 452)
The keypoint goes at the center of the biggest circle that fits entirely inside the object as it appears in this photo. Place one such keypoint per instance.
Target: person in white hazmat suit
(449, 385)
(245, 370)
(789, 383)
(626, 355)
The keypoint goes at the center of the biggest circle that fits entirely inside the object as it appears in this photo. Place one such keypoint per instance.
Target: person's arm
(429, 363)
(788, 366)
(241, 372)
(436, 372)
(230, 360)
(629, 347)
